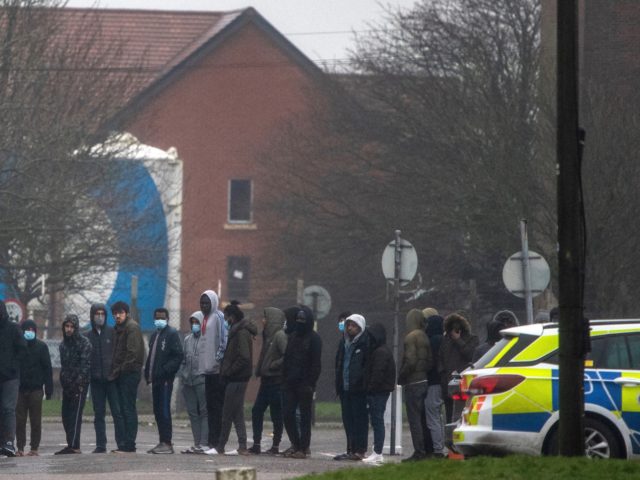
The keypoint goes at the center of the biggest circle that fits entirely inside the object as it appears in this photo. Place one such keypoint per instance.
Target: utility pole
(570, 235)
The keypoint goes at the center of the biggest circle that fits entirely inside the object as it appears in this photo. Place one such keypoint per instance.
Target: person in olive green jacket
(416, 362)
(270, 372)
(126, 368)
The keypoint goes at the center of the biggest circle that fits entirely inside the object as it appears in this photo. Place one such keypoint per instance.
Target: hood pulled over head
(304, 320)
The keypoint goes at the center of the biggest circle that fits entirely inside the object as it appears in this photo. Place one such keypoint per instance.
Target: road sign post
(399, 264)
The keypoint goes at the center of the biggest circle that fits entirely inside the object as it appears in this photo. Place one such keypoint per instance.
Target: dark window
(240, 201)
(610, 352)
(238, 278)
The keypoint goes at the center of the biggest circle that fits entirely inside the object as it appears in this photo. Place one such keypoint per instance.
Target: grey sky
(320, 28)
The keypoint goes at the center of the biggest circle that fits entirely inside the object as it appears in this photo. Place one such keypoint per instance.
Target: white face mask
(29, 335)
(160, 324)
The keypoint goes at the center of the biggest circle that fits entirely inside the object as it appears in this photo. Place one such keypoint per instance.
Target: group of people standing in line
(214, 363)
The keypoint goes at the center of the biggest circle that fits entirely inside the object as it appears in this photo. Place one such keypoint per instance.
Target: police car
(513, 393)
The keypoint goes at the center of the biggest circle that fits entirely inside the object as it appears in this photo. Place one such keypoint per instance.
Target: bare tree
(65, 206)
(436, 134)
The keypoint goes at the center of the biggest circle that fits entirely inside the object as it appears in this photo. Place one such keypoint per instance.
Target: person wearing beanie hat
(351, 385)
(163, 362)
(193, 388)
(12, 351)
(126, 366)
(75, 374)
(35, 373)
(429, 312)
(103, 390)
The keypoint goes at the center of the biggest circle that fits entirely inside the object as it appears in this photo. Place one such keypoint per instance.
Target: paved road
(325, 443)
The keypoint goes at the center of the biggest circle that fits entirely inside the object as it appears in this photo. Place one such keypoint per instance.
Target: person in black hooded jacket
(302, 365)
(381, 381)
(13, 349)
(35, 373)
(103, 389)
(75, 375)
(433, 400)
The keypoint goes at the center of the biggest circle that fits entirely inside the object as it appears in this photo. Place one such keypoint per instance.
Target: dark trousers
(29, 406)
(8, 400)
(102, 392)
(214, 391)
(298, 396)
(377, 405)
(72, 407)
(355, 420)
(414, 395)
(233, 413)
(127, 388)
(268, 396)
(161, 392)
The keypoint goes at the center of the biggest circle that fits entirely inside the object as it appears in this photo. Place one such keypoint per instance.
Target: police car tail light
(489, 384)
(464, 396)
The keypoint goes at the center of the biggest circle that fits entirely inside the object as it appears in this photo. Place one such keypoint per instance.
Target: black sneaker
(99, 450)
(8, 450)
(254, 450)
(416, 457)
(273, 451)
(342, 456)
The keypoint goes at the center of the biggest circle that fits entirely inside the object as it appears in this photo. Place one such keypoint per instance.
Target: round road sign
(15, 309)
(317, 299)
(408, 261)
(538, 269)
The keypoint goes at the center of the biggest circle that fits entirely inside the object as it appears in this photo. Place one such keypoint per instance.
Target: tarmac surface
(327, 440)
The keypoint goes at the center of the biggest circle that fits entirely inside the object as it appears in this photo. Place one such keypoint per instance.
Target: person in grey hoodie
(270, 371)
(193, 385)
(214, 337)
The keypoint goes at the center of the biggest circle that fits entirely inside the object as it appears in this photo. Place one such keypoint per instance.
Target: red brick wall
(220, 116)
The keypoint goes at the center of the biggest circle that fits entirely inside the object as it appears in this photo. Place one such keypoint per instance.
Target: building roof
(155, 43)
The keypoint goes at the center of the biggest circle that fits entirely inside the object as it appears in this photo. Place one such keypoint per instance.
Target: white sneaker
(374, 458)
(211, 451)
(232, 453)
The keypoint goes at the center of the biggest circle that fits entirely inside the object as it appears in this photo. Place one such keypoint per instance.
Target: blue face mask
(227, 325)
(29, 335)
(341, 326)
(195, 328)
(160, 324)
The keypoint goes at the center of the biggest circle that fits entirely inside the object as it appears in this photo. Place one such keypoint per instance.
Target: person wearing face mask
(103, 390)
(35, 373)
(192, 380)
(163, 362)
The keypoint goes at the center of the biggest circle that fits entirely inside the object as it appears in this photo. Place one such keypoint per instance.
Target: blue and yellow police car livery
(513, 393)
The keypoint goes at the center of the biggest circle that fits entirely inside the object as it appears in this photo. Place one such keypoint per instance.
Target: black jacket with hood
(435, 331)
(274, 343)
(381, 368)
(13, 347)
(238, 357)
(302, 358)
(101, 339)
(75, 359)
(456, 354)
(168, 353)
(359, 353)
(35, 371)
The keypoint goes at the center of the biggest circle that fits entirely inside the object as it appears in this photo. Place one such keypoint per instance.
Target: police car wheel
(600, 441)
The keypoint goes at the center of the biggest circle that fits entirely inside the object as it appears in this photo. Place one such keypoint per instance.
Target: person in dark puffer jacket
(302, 366)
(381, 381)
(35, 373)
(102, 389)
(13, 349)
(416, 362)
(75, 374)
(236, 372)
(351, 385)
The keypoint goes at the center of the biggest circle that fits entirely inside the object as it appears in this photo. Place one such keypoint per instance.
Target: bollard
(236, 473)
